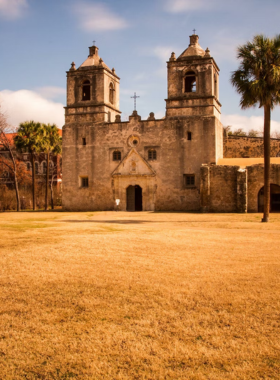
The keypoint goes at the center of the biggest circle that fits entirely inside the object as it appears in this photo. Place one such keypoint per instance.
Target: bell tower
(193, 83)
(92, 91)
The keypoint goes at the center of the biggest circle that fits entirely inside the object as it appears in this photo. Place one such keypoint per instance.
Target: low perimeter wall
(232, 189)
(241, 146)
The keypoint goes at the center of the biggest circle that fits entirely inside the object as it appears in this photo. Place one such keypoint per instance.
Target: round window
(133, 141)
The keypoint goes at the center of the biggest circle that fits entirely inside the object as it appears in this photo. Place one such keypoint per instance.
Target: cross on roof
(94, 43)
(194, 31)
(135, 97)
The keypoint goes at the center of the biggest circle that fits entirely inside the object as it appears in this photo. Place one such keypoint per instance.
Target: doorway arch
(274, 198)
(134, 201)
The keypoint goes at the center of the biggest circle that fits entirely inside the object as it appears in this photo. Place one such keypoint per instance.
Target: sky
(39, 39)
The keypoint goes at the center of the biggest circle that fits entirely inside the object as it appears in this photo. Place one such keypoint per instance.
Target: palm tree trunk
(266, 146)
(33, 181)
(15, 179)
(52, 205)
(47, 181)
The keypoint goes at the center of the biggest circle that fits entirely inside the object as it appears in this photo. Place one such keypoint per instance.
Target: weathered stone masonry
(245, 147)
(189, 135)
(235, 189)
(169, 164)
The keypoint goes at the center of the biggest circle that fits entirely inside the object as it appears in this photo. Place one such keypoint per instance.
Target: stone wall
(232, 189)
(223, 189)
(245, 147)
(255, 183)
(164, 189)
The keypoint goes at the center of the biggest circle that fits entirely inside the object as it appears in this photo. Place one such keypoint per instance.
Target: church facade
(150, 165)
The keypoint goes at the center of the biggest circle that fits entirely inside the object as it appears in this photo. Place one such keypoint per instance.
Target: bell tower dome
(193, 83)
(92, 91)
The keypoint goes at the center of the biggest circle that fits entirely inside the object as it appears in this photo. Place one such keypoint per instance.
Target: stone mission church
(175, 163)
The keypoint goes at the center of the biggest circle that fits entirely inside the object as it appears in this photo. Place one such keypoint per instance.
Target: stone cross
(135, 97)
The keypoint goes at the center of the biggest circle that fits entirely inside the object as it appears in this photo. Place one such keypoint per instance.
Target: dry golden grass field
(114, 295)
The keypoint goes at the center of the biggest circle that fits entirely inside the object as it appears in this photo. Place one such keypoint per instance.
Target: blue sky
(39, 39)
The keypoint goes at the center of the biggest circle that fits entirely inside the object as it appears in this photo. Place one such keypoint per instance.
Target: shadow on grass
(30, 211)
(108, 221)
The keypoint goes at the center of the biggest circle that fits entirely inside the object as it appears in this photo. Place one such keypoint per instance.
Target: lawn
(114, 295)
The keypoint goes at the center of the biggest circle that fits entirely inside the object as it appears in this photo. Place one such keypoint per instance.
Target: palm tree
(28, 140)
(257, 80)
(51, 143)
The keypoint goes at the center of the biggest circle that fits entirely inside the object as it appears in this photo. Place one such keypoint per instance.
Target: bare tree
(239, 132)
(227, 130)
(55, 174)
(275, 135)
(8, 153)
(253, 133)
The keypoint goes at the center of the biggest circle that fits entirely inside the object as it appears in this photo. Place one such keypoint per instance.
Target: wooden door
(130, 198)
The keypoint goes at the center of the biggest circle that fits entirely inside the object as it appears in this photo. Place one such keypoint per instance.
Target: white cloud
(51, 92)
(224, 46)
(163, 52)
(160, 115)
(12, 9)
(248, 122)
(24, 105)
(97, 17)
(177, 6)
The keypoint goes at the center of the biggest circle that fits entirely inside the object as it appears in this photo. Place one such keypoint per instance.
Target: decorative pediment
(133, 164)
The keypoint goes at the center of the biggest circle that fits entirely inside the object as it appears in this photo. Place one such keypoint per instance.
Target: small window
(189, 180)
(84, 182)
(215, 85)
(84, 141)
(190, 82)
(189, 135)
(117, 156)
(111, 93)
(86, 90)
(44, 167)
(152, 154)
(278, 154)
(109, 117)
(36, 168)
(6, 174)
(28, 166)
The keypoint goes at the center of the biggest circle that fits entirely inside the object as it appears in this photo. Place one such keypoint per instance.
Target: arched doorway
(134, 198)
(274, 198)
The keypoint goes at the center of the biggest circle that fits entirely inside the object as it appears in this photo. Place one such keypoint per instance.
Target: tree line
(32, 138)
(251, 133)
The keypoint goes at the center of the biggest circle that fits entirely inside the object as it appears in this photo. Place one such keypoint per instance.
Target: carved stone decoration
(133, 167)
(173, 57)
(73, 66)
(152, 116)
(207, 53)
(133, 141)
